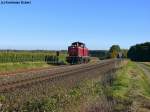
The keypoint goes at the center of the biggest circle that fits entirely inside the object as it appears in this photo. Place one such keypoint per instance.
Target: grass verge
(13, 67)
(130, 89)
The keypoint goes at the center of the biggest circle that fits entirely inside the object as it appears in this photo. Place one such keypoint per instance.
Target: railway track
(63, 72)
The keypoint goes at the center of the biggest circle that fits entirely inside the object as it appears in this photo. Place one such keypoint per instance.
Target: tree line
(114, 52)
(140, 52)
(101, 54)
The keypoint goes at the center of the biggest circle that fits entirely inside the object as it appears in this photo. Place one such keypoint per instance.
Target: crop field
(20, 61)
(7, 57)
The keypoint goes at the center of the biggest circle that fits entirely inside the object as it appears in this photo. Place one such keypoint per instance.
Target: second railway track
(52, 75)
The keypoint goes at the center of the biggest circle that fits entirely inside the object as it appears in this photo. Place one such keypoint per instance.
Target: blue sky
(54, 24)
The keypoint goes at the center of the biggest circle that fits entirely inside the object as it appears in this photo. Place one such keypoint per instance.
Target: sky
(55, 24)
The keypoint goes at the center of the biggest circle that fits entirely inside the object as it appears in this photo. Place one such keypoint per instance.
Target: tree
(124, 53)
(140, 52)
(114, 51)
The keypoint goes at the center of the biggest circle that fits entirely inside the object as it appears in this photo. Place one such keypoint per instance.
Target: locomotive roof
(80, 43)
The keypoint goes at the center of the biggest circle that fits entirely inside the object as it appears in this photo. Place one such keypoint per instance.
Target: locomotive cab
(79, 44)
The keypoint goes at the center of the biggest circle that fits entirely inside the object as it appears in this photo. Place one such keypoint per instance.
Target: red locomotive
(78, 53)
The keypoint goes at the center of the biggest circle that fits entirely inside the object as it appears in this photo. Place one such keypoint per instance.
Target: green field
(17, 61)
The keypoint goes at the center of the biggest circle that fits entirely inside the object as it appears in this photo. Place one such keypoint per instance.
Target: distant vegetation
(101, 54)
(16, 56)
(116, 52)
(140, 52)
(113, 52)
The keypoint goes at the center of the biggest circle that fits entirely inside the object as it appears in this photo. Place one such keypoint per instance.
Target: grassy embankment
(19, 66)
(63, 99)
(130, 89)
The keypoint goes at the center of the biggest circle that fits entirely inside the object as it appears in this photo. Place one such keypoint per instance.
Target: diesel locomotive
(78, 53)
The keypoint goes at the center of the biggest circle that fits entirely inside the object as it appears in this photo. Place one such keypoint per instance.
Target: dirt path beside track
(145, 68)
